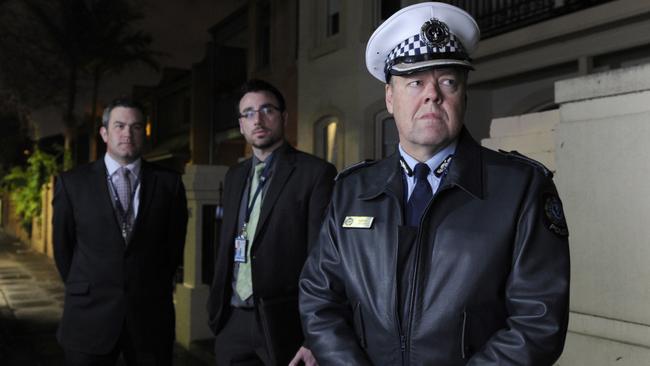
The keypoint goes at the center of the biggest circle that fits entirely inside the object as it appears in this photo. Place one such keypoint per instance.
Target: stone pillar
(530, 134)
(202, 187)
(603, 153)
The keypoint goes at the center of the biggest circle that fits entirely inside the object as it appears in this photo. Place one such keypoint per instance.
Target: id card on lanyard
(241, 240)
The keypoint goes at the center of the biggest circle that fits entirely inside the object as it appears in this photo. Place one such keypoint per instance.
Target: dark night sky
(179, 29)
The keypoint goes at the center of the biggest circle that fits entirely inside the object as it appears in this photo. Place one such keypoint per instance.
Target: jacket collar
(101, 182)
(147, 187)
(284, 164)
(465, 171)
(386, 178)
(467, 166)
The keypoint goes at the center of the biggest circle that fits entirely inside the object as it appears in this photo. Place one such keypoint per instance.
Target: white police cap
(420, 37)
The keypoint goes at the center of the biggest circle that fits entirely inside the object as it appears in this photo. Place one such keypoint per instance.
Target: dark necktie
(420, 197)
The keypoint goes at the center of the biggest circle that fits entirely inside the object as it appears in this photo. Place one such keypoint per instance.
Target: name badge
(358, 222)
(240, 249)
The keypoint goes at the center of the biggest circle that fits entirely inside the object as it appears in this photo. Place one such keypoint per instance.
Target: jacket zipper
(398, 322)
(414, 276)
(462, 336)
(402, 337)
(411, 301)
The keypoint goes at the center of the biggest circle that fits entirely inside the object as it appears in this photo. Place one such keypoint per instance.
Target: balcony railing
(495, 17)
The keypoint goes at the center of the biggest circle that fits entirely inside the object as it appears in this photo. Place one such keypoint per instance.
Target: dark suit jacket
(107, 281)
(290, 219)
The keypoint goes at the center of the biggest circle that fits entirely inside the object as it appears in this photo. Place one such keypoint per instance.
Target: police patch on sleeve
(554, 215)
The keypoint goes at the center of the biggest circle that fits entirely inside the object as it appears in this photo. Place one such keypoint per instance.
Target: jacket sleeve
(324, 309)
(319, 200)
(63, 229)
(177, 225)
(537, 289)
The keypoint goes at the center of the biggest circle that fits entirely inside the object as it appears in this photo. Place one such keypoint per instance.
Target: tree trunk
(70, 129)
(95, 120)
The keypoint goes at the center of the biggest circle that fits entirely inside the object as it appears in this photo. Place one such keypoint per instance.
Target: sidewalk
(31, 299)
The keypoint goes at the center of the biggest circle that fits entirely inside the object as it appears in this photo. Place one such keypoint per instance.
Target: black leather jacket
(486, 281)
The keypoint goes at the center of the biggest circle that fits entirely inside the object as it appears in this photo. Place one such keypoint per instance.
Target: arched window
(331, 148)
(386, 136)
(328, 140)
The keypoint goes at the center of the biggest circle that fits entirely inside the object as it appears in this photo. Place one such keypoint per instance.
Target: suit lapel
(284, 166)
(237, 180)
(100, 181)
(147, 188)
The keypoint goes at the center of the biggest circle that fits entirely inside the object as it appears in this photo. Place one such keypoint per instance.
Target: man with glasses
(274, 204)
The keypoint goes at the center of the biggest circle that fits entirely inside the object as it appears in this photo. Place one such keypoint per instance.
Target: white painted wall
(598, 143)
(530, 134)
(602, 155)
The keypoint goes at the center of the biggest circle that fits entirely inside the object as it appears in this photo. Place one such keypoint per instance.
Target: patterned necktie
(420, 197)
(125, 194)
(244, 281)
(123, 187)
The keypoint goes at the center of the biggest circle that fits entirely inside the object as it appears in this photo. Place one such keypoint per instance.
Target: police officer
(445, 253)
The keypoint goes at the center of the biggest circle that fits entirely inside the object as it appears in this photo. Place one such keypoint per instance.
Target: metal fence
(500, 16)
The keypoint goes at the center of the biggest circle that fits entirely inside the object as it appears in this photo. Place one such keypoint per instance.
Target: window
(328, 25)
(328, 140)
(263, 51)
(388, 8)
(147, 128)
(330, 145)
(187, 109)
(382, 10)
(386, 136)
(333, 17)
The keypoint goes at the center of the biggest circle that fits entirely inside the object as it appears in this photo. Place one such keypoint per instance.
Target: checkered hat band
(414, 46)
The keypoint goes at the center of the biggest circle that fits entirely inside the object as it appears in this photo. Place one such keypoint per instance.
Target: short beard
(268, 144)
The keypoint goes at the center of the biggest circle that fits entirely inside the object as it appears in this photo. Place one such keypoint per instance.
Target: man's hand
(304, 355)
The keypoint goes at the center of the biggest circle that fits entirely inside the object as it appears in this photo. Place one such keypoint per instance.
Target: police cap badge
(420, 37)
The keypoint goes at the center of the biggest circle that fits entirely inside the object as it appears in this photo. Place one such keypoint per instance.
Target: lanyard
(124, 215)
(264, 177)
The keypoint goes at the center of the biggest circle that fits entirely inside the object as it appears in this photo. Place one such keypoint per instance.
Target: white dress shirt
(134, 168)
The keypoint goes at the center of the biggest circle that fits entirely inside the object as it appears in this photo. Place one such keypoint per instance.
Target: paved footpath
(31, 299)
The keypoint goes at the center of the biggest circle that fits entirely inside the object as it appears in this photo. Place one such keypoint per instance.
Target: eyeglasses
(265, 110)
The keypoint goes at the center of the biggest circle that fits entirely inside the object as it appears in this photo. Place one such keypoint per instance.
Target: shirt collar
(269, 160)
(434, 162)
(112, 165)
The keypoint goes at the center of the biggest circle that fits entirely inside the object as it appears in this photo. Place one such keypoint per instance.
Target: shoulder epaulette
(515, 154)
(354, 167)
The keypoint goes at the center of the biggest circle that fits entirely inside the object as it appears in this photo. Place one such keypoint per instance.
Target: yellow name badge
(358, 222)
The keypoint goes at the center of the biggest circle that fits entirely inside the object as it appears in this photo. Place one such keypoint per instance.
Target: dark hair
(257, 85)
(125, 102)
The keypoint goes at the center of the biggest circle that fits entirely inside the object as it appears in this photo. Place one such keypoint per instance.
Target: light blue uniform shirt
(433, 164)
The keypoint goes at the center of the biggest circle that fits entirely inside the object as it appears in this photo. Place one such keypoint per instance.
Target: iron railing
(495, 17)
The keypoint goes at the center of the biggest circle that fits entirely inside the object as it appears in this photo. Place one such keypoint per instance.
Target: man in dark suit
(274, 204)
(119, 231)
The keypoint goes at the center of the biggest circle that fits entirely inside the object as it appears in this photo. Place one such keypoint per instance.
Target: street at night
(31, 299)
